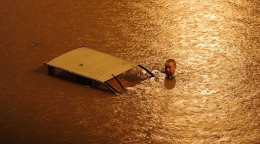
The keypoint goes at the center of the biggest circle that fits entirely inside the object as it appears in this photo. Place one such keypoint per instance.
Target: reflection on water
(169, 83)
(214, 99)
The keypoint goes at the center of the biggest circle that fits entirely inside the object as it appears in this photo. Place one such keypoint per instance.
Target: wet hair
(171, 61)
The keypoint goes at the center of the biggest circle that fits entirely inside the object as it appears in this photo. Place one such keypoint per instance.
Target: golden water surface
(216, 98)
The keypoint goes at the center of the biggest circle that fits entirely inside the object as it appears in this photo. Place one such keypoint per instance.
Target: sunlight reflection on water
(215, 98)
(214, 88)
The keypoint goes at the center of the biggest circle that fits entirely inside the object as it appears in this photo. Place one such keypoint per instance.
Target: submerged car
(97, 69)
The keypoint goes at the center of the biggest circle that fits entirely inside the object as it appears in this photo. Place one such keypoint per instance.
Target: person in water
(170, 68)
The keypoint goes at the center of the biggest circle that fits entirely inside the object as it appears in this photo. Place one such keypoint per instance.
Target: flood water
(216, 97)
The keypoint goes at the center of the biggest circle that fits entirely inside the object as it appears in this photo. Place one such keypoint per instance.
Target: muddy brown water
(214, 99)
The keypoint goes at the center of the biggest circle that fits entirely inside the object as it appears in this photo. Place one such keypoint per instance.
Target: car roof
(91, 64)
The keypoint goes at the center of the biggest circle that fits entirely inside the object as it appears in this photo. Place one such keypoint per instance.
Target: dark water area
(214, 99)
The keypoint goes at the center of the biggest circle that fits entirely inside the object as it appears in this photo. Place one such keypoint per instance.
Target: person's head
(170, 66)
